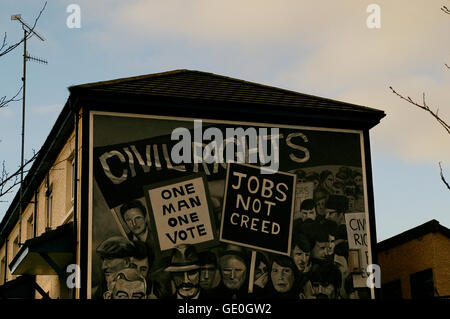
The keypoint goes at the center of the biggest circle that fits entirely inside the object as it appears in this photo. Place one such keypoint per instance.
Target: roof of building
(189, 84)
(432, 226)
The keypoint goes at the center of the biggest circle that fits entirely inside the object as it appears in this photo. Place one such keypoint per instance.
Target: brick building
(416, 263)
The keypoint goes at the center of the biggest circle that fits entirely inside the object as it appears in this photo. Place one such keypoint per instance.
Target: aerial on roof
(209, 86)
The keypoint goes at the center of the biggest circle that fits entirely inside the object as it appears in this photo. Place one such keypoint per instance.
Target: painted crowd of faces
(315, 272)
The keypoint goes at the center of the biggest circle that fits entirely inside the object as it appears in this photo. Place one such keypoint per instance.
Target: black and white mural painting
(190, 209)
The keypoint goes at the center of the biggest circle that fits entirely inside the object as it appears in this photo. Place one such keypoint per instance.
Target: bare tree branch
(8, 182)
(424, 107)
(8, 49)
(445, 9)
(442, 176)
(3, 42)
(4, 101)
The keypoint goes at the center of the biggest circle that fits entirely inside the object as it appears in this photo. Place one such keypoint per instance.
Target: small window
(15, 246)
(49, 208)
(422, 285)
(2, 270)
(30, 227)
(392, 290)
(72, 176)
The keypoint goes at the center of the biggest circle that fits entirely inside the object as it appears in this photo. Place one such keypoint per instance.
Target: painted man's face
(319, 290)
(301, 258)
(125, 289)
(308, 214)
(110, 266)
(141, 265)
(234, 272)
(320, 250)
(135, 220)
(187, 283)
(207, 276)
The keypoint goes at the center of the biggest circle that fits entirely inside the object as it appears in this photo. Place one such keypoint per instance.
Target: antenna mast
(27, 32)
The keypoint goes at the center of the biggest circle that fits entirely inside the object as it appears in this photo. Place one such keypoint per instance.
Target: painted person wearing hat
(116, 253)
(320, 200)
(233, 265)
(184, 269)
(127, 283)
(209, 274)
(336, 207)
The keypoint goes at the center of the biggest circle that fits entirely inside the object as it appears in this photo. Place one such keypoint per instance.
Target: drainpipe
(35, 213)
(6, 259)
(75, 189)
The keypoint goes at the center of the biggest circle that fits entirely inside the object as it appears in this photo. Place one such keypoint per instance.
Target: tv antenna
(27, 32)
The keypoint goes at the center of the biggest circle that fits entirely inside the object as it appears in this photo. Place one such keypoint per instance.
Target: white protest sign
(180, 213)
(358, 240)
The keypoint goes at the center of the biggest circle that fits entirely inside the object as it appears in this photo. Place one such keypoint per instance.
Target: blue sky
(324, 49)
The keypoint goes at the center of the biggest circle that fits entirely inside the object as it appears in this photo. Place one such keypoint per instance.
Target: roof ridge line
(235, 80)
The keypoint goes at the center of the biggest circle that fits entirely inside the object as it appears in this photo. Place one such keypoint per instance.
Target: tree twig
(7, 182)
(424, 107)
(445, 9)
(442, 176)
(4, 101)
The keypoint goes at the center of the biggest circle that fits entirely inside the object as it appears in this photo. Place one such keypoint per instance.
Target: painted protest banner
(121, 169)
(180, 212)
(258, 209)
(358, 240)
